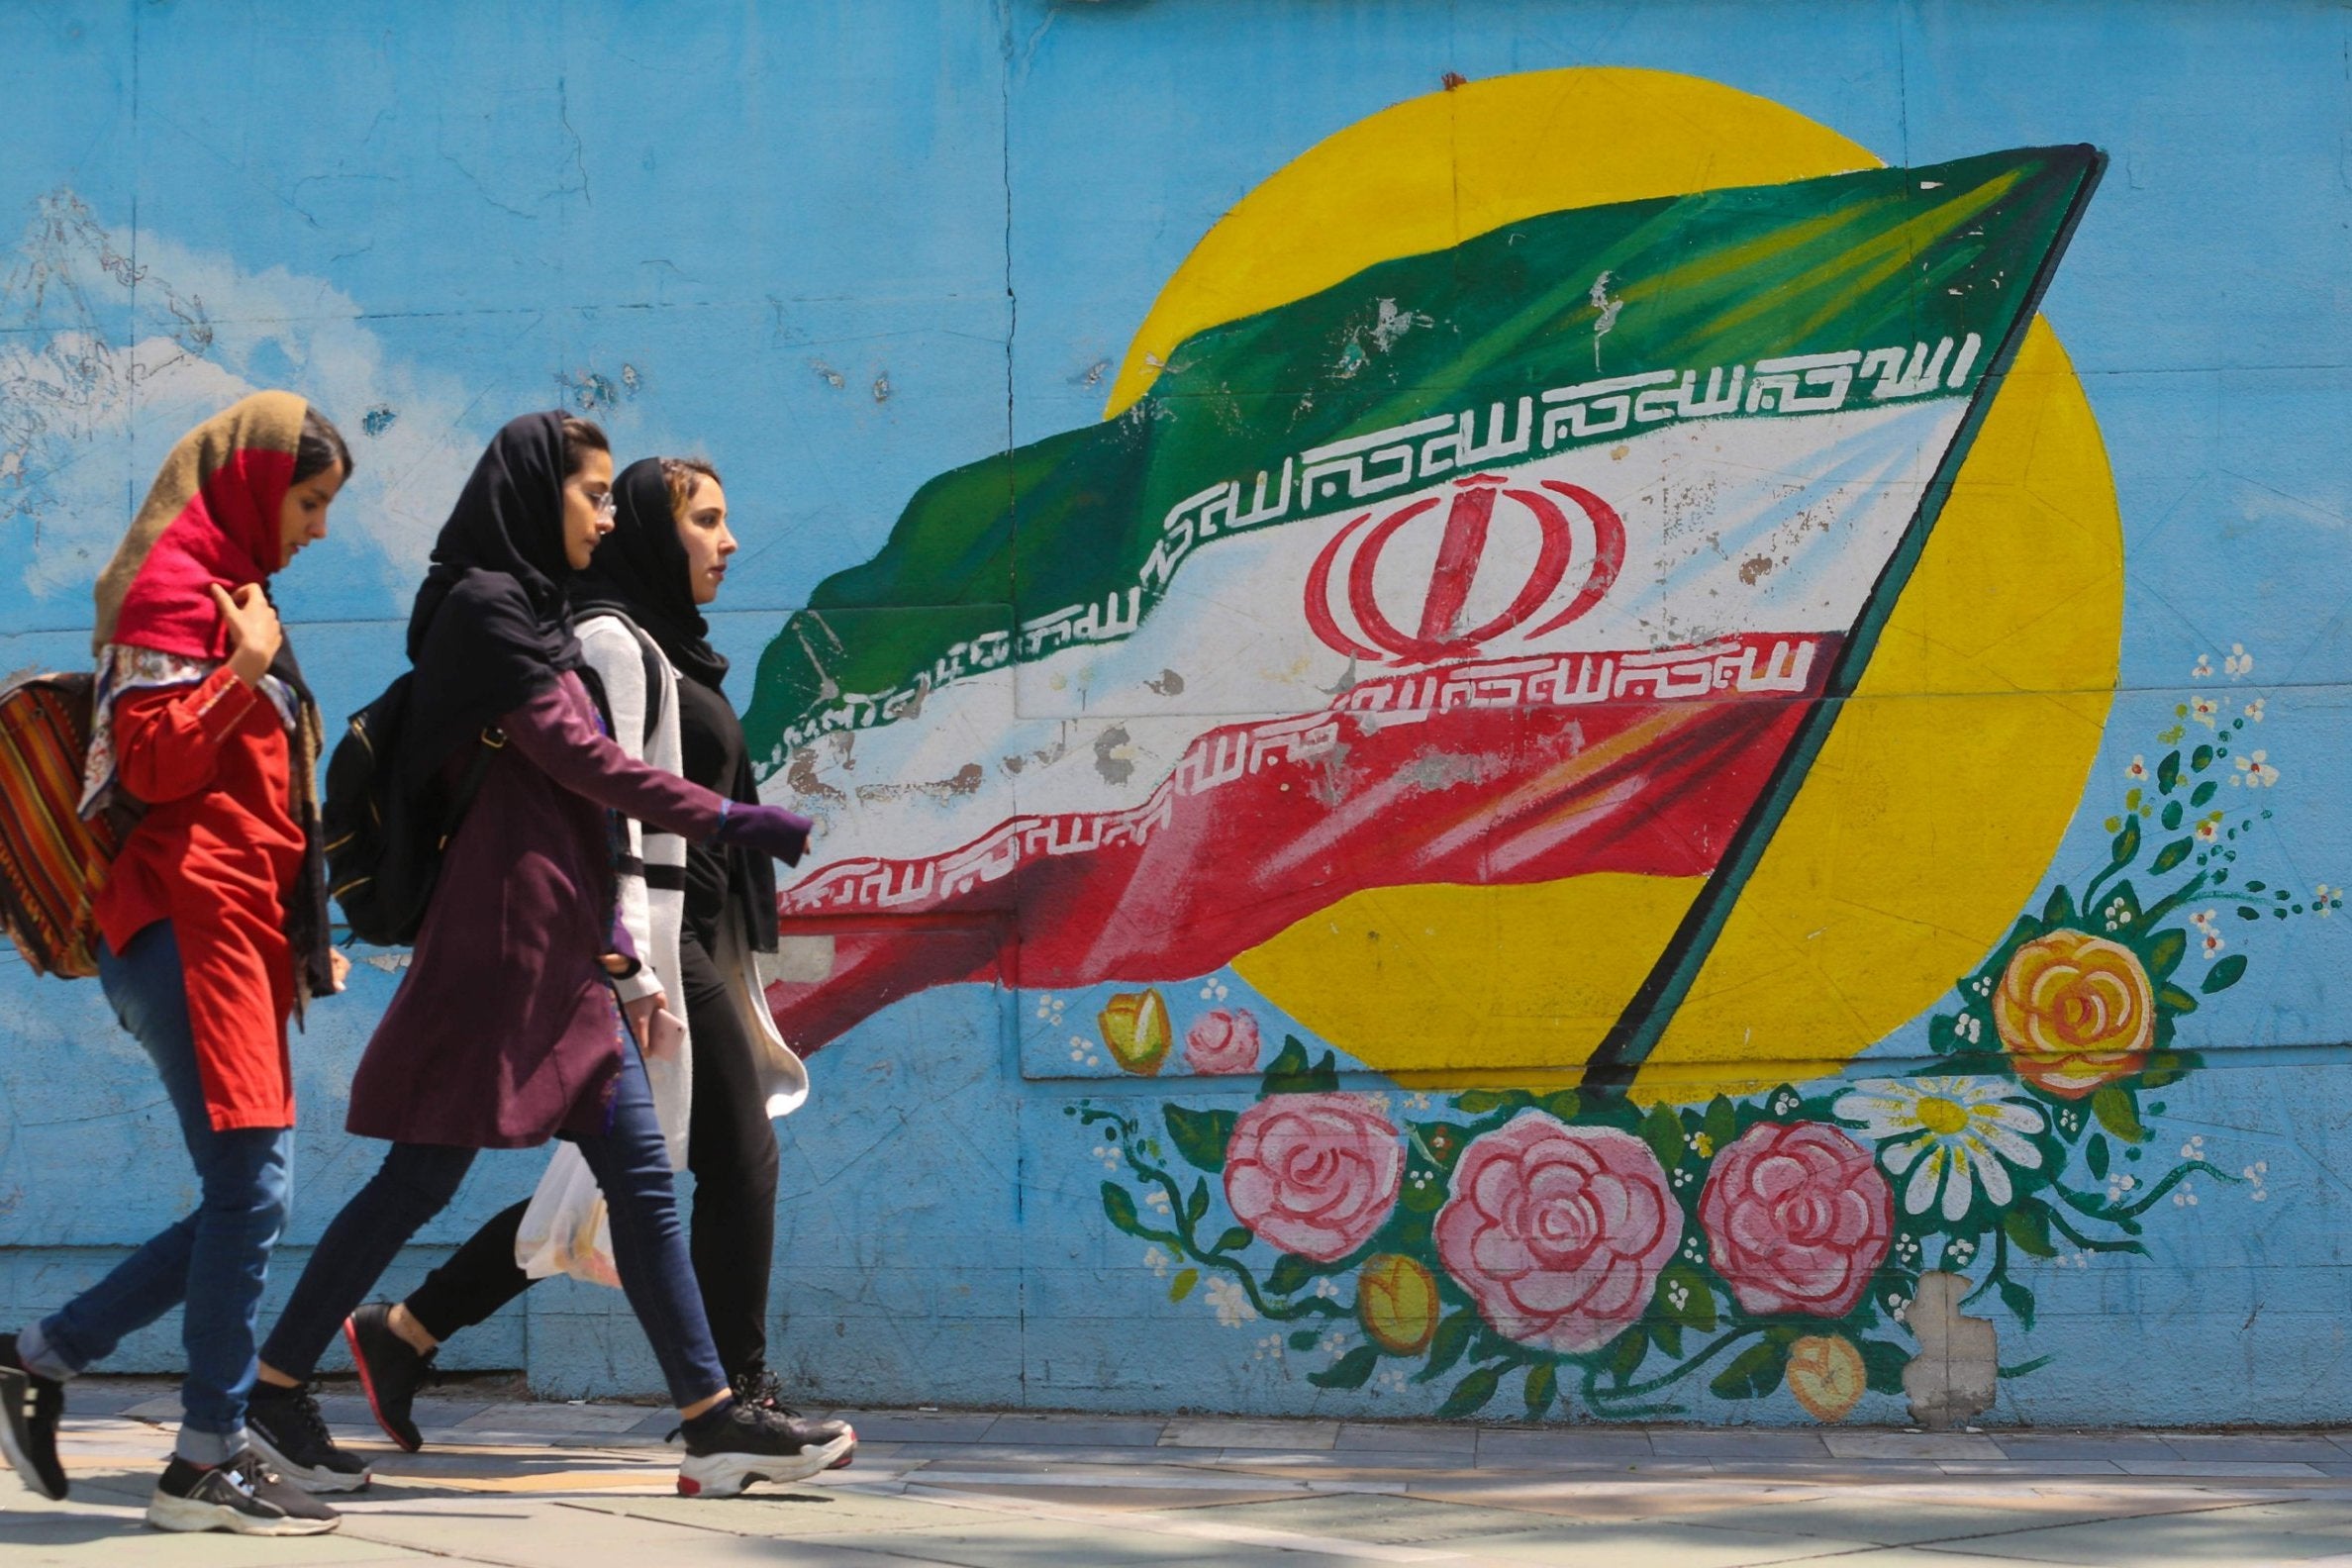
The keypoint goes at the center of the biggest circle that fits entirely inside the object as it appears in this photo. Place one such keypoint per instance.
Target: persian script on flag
(1522, 560)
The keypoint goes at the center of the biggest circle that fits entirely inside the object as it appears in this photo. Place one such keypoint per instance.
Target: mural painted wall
(1557, 713)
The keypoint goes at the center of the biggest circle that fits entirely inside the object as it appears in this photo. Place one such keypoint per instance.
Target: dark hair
(680, 475)
(319, 447)
(580, 438)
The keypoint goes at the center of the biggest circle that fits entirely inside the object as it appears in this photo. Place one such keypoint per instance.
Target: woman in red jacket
(214, 930)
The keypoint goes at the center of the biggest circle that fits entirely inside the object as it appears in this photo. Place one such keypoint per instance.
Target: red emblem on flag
(1345, 587)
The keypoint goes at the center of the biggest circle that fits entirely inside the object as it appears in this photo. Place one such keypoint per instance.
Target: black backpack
(384, 843)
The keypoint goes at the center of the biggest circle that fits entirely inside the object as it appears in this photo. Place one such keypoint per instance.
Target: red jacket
(217, 854)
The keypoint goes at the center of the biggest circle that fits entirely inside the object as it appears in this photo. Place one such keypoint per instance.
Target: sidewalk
(583, 1486)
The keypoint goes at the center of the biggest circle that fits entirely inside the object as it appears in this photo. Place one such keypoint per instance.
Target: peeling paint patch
(379, 419)
(827, 374)
(882, 386)
(1605, 322)
(1115, 755)
(1753, 570)
(801, 777)
(966, 781)
(1169, 684)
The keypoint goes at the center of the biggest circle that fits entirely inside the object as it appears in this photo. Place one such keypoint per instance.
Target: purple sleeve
(557, 731)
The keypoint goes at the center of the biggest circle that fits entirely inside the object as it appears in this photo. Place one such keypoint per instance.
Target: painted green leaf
(1290, 1073)
(2095, 1155)
(2171, 854)
(1882, 1364)
(2019, 1301)
(1235, 1236)
(1753, 1373)
(1543, 1383)
(2118, 1112)
(1447, 1345)
(2126, 847)
(1303, 1338)
(2176, 999)
(2164, 954)
(2029, 1229)
(1662, 1130)
(2060, 909)
(1630, 1348)
(1722, 1123)
(2204, 792)
(1564, 1104)
(2171, 819)
(1478, 1102)
(1667, 1336)
(1291, 1274)
(1471, 1393)
(2168, 772)
(1200, 1136)
(1119, 1204)
(2201, 758)
(1697, 1309)
(1349, 1371)
(1181, 1285)
(2225, 974)
(1197, 1205)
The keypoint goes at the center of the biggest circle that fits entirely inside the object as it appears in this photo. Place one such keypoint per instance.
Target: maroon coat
(505, 1031)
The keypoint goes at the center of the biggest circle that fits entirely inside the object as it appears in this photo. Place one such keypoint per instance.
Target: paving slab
(1079, 1431)
(2082, 1445)
(2306, 1450)
(1589, 1443)
(1910, 1445)
(1738, 1444)
(1249, 1434)
(1427, 1438)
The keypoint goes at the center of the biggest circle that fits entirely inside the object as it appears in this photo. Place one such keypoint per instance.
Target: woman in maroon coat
(507, 1031)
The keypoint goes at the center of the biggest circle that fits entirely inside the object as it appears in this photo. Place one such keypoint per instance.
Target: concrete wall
(1994, 1013)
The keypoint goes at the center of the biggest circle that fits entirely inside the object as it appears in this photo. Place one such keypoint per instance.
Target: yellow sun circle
(1950, 775)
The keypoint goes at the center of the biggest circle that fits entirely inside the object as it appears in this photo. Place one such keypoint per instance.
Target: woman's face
(587, 507)
(302, 515)
(702, 529)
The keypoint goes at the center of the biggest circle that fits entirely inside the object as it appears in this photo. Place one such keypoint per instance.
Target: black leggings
(731, 1150)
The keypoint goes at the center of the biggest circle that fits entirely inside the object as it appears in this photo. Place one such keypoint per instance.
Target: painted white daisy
(1950, 1135)
(2137, 772)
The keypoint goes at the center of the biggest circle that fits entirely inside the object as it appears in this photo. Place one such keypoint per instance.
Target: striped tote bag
(52, 862)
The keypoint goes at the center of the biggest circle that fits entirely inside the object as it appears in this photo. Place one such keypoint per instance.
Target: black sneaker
(29, 1406)
(759, 1387)
(292, 1438)
(240, 1496)
(752, 1444)
(390, 1371)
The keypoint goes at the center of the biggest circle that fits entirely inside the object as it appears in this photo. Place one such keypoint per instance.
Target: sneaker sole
(303, 1476)
(368, 1386)
(186, 1516)
(13, 1387)
(723, 1475)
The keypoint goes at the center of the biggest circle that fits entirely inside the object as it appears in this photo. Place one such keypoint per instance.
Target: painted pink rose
(1796, 1217)
(1316, 1174)
(1558, 1233)
(1223, 1042)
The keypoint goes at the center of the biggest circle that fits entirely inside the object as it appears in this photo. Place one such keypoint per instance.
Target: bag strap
(470, 783)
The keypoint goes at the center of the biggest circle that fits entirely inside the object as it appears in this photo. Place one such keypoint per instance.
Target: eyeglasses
(605, 505)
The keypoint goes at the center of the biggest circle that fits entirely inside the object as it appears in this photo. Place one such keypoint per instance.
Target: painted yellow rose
(1136, 1027)
(1397, 1298)
(2076, 1011)
(1826, 1375)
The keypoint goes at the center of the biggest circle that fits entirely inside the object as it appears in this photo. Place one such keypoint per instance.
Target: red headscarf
(211, 517)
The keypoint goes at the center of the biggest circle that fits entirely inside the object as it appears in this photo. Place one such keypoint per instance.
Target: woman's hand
(640, 1017)
(255, 634)
(339, 968)
(770, 831)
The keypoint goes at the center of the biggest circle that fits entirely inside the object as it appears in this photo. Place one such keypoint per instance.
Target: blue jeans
(417, 1181)
(215, 1259)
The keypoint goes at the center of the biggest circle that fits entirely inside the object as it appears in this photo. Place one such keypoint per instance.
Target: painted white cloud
(104, 364)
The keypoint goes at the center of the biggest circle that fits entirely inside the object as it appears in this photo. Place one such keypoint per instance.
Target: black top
(710, 739)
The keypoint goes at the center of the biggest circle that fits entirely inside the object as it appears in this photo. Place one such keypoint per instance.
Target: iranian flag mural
(1539, 556)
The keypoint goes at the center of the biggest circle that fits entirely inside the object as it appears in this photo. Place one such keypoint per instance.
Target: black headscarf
(490, 630)
(640, 569)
